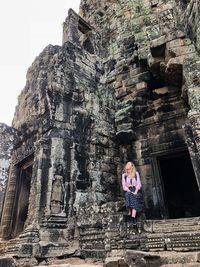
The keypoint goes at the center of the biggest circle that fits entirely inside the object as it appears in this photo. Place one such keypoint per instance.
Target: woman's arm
(138, 185)
(125, 188)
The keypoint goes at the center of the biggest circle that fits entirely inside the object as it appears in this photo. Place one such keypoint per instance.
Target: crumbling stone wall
(66, 123)
(188, 19)
(123, 86)
(146, 58)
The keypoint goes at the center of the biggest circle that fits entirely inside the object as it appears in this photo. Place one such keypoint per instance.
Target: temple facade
(124, 86)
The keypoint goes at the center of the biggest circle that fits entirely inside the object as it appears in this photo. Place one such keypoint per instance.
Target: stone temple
(124, 85)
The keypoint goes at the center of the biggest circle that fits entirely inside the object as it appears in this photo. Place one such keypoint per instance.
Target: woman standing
(132, 188)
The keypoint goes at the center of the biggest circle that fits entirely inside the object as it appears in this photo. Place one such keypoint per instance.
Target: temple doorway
(22, 197)
(180, 189)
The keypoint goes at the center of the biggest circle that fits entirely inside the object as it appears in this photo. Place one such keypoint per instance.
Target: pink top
(131, 182)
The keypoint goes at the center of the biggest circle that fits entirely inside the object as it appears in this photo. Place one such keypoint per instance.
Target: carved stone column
(192, 83)
(193, 141)
(35, 194)
(6, 218)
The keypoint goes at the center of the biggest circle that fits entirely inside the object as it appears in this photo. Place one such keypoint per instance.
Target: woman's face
(129, 167)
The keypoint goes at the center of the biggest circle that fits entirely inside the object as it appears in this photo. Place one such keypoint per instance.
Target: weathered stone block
(7, 262)
(179, 51)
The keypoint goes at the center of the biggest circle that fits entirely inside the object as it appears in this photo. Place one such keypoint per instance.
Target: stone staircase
(173, 234)
(9, 247)
(152, 243)
(151, 259)
(177, 225)
(119, 235)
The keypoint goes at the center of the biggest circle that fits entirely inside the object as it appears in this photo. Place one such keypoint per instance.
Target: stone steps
(9, 247)
(71, 262)
(71, 265)
(152, 259)
(172, 234)
(175, 225)
(173, 241)
(155, 236)
(191, 264)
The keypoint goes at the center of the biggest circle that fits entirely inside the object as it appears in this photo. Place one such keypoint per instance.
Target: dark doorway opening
(180, 188)
(22, 197)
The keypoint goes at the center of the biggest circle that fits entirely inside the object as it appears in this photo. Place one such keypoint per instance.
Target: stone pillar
(193, 142)
(7, 135)
(70, 28)
(37, 176)
(192, 83)
(6, 218)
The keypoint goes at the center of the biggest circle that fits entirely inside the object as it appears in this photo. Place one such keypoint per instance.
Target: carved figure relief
(57, 195)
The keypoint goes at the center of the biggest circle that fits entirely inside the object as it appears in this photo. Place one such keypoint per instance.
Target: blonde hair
(133, 171)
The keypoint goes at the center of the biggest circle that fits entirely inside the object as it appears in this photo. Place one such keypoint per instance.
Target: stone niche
(123, 86)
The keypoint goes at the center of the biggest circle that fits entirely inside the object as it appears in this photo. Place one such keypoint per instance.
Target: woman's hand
(134, 193)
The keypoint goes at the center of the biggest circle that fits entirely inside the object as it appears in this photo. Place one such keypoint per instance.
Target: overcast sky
(26, 28)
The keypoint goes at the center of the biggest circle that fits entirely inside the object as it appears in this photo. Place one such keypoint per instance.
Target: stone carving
(57, 195)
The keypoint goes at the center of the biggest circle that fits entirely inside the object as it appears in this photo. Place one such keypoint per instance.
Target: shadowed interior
(180, 188)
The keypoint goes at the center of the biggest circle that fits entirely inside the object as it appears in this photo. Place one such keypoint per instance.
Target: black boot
(134, 222)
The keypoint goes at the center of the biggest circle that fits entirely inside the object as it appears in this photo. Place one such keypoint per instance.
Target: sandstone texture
(7, 135)
(124, 86)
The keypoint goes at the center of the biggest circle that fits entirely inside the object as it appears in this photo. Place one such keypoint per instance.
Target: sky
(26, 28)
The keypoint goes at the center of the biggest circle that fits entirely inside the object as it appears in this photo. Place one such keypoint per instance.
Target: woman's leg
(127, 202)
(133, 214)
(129, 211)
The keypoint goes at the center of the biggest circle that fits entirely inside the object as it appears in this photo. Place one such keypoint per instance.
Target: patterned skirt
(134, 201)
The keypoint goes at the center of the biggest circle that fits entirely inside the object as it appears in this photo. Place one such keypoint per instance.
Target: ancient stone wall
(112, 80)
(145, 54)
(188, 19)
(123, 86)
(65, 121)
